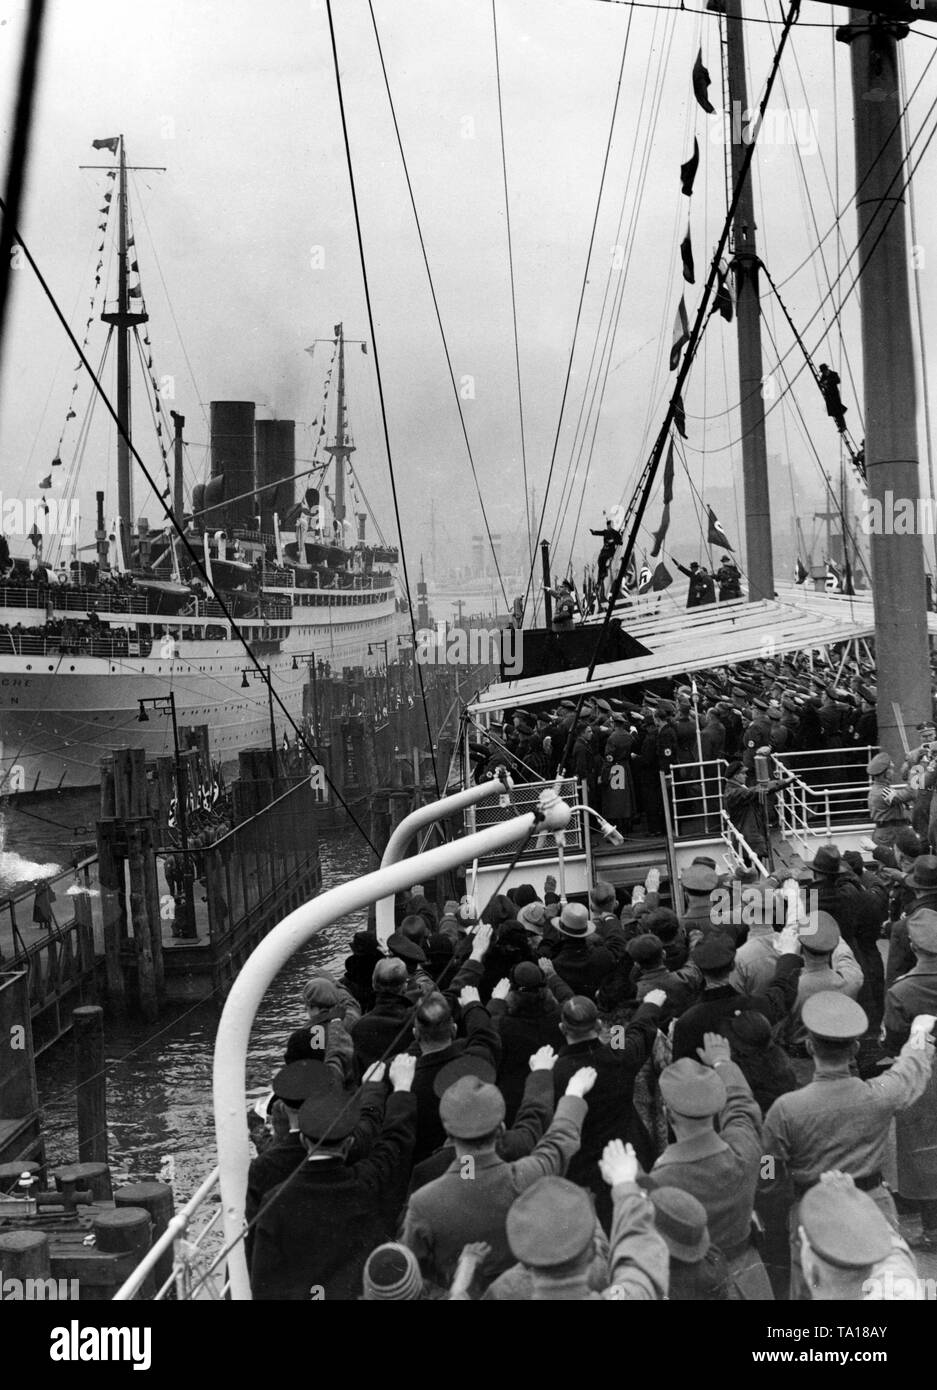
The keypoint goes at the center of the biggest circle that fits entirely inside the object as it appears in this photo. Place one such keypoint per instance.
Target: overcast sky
(238, 101)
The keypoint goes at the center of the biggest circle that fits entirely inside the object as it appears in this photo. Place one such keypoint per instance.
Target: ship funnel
(276, 463)
(232, 458)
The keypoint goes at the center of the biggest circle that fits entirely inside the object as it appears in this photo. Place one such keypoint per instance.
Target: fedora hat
(574, 921)
(924, 873)
(827, 860)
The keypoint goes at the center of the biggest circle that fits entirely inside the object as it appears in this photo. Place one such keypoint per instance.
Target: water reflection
(159, 1084)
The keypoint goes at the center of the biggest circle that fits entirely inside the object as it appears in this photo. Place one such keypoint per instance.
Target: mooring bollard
(96, 1177)
(155, 1198)
(24, 1255)
(91, 1083)
(125, 1231)
(10, 1173)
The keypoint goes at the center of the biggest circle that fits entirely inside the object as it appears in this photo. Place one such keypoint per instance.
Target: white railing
(696, 790)
(830, 791)
(499, 806)
(192, 1275)
(739, 853)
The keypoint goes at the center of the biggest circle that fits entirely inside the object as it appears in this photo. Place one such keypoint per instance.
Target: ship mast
(340, 448)
(123, 319)
(758, 547)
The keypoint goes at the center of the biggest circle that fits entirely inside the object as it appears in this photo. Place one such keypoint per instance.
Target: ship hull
(61, 715)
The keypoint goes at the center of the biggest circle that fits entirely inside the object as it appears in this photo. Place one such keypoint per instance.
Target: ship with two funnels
(82, 641)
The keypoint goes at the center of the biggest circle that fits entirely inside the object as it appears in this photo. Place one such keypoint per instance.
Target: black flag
(688, 170)
(701, 85)
(686, 255)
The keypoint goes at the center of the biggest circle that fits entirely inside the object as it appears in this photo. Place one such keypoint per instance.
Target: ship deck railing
(498, 807)
(29, 644)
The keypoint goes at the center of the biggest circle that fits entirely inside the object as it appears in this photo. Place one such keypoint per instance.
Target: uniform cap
(714, 952)
(922, 929)
(681, 1223)
(296, 1082)
(329, 1114)
(405, 949)
(320, 993)
(819, 933)
(645, 950)
(550, 1223)
(464, 1065)
(692, 1090)
(834, 1017)
(471, 1108)
(774, 711)
(879, 764)
(619, 719)
(699, 878)
(844, 1226)
(758, 703)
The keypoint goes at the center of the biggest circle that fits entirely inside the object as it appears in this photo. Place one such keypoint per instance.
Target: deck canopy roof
(695, 639)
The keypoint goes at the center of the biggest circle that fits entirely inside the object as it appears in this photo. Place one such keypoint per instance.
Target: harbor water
(159, 1076)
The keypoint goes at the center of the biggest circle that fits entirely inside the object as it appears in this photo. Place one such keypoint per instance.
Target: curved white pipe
(402, 835)
(230, 1061)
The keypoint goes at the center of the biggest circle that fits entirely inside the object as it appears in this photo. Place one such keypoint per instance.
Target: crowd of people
(620, 747)
(715, 1090)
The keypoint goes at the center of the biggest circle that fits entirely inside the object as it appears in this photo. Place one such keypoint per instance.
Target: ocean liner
(83, 641)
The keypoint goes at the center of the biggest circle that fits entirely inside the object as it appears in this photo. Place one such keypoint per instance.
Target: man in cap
(551, 1231)
(564, 606)
(698, 1271)
(719, 1170)
(909, 997)
(847, 1248)
(329, 1015)
(920, 889)
(401, 947)
(819, 938)
(314, 1232)
(471, 1201)
(612, 1114)
(649, 972)
(857, 912)
(714, 957)
(729, 579)
(520, 1134)
(746, 806)
(699, 882)
(888, 805)
(757, 735)
(839, 1121)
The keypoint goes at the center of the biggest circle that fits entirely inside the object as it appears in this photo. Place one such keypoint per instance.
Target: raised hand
(375, 1072)
(619, 1163)
(469, 995)
(501, 990)
(655, 996)
(401, 1071)
(715, 1049)
(544, 1059)
(581, 1082)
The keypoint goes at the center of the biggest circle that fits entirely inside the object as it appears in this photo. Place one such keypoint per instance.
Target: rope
(19, 149)
(378, 375)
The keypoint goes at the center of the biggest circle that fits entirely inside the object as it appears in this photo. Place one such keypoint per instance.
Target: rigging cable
(432, 290)
(582, 295)
(640, 500)
(19, 150)
(380, 381)
(507, 219)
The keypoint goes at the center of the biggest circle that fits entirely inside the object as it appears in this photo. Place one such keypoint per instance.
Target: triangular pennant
(679, 416)
(801, 573)
(46, 481)
(701, 82)
(112, 173)
(681, 334)
(686, 256)
(70, 415)
(102, 226)
(715, 534)
(668, 474)
(688, 170)
(56, 462)
(108, 196)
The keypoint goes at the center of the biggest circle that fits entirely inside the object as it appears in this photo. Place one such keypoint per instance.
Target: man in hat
(819, 938)
(888, 805)
(729, 579)
(525, 1009)
(746, 806)
(843, 1238)
(719, 1170)
(839, 1121)
(419, 981)
(698, 1271)
(682, 988)
(564, 606)
(714, 957)
(909, 997)
(471, 1201)
(314, 1232)
(551, 1231)
(330, 1013)
(699, 882)
(359, 970)
(579, 957)
(612, 1114)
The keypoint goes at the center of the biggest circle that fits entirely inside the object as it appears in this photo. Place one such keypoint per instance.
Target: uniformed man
(908, 998)
(843, 1237)
(839, 1121)
(757, 735)
(564, 606)
(714, 958)
(888, 805)
(729, 580)
(719, 1170)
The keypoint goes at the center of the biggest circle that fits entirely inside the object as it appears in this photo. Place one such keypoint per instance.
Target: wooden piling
(142, 940)
(90, 1083)
(156, 1199)
(151, 894)
(24, 1255)
(111, 880)
(125, 1231)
